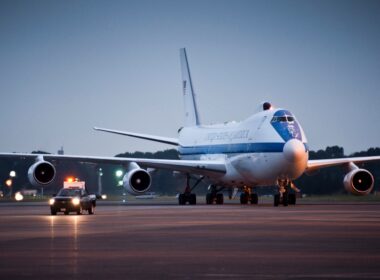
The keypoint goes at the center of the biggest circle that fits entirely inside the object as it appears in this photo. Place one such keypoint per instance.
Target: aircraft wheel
(254, 198)
(209, 198)
(53, 212)
(66, 212)
(181, 199)
(79, 211)
(192, 199)
(292, 199)
(219, 198)
(276, 200)
(243, 198)
(285, 199)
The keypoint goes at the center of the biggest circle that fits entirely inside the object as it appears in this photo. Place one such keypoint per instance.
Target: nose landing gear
(214, 195)
(248, 195)
(286, 193)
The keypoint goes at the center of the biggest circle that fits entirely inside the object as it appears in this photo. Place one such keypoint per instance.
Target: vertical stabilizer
(191, 110)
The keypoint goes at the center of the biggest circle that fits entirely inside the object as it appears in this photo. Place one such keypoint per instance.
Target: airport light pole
(100, 174)
(9, 182)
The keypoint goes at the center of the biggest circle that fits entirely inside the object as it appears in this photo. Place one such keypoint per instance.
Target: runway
(192, 242)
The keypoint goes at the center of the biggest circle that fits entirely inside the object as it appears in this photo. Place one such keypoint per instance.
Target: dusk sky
(66, 66)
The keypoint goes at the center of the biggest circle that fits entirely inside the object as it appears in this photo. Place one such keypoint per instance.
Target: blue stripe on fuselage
(234, 148)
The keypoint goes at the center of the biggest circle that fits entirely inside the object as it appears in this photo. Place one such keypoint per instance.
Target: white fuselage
(259, 151)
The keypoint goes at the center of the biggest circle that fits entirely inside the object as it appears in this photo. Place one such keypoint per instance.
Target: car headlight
(51, 201)
(76, 201)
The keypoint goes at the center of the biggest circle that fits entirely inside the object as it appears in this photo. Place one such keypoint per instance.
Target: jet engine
(41, 173)
(136, 180)
(359, 182)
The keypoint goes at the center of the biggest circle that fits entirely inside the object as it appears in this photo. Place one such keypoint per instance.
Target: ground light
(19, 196)
(119, 173)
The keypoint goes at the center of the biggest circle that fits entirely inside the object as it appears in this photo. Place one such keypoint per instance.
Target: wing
(313, 165)
(201, 167)
(160, 139)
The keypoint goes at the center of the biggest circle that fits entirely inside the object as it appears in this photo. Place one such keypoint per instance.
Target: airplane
(269, 148)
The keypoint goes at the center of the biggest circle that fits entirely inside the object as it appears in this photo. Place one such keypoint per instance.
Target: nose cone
(294, 150)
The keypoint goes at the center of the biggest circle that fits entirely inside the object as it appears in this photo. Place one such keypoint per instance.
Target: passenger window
(274, 119)
(282, 119)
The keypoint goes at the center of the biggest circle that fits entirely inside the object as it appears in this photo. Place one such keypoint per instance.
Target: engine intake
(137, 181)
(359, 182)
(41, 173)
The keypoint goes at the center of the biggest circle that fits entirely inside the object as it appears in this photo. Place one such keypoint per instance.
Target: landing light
(51, 201)
(104, 196)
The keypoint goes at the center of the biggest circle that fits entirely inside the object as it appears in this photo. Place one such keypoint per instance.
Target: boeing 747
(268, 148)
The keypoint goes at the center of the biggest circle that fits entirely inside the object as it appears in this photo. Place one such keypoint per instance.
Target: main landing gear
(285, 195)
(187, 196)
(248, 195)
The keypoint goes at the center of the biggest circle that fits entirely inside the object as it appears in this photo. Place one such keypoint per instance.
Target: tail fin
(191, 110)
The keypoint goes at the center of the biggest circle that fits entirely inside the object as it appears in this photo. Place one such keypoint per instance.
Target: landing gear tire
(254, 198)
(292, 199)
(285, 199)
(53, 212)
(243, 198)
(66, 212)
(219, 198)
(193, 199)
(183, 198)
(209, 198)
(276, 200)
(79, 211)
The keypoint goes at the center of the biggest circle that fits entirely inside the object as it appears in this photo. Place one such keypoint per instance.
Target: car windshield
(69, 192)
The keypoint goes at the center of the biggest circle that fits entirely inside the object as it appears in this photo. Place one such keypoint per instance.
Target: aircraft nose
(294, 150)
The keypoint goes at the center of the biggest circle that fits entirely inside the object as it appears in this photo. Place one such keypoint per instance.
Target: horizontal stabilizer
(165, 140)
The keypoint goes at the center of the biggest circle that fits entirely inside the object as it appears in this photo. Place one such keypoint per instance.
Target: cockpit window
(282, 119)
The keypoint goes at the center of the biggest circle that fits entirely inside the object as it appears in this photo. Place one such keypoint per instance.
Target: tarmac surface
(310, 241)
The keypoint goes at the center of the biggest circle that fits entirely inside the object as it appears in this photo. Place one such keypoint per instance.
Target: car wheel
(91, 210)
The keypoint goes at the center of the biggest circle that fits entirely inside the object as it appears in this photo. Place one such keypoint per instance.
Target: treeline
(165, 182)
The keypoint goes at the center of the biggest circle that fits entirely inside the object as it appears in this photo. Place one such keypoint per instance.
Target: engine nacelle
(41, 173)
(137, 181)
(359, 182)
